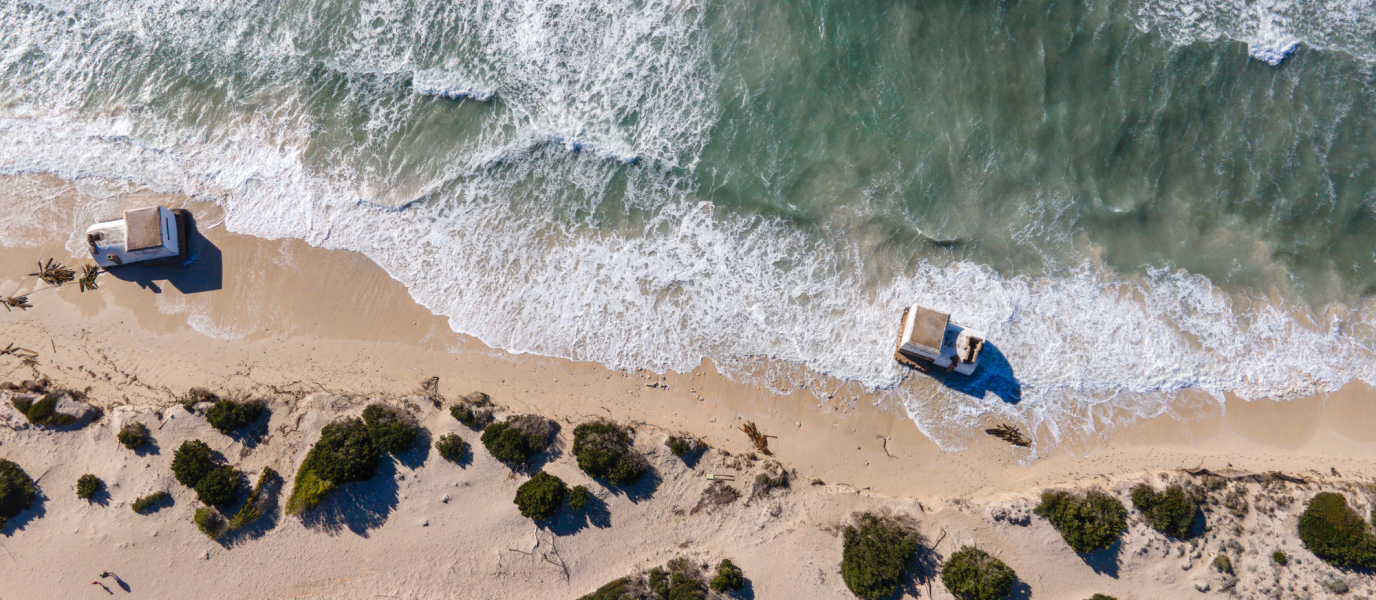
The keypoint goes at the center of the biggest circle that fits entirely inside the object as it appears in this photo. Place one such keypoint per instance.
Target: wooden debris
(761, 440)
(19, 302)
(21, 353)
(1010, 434)
(53, 273)
(88, 277)
(430, 388)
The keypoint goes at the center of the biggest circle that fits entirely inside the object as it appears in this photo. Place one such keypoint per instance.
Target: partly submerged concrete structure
(144, 234)
(930, 339)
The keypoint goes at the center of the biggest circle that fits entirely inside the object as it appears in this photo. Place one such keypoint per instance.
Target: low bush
(1223, 564)
(344, 453)
(192, 461)
(1092, 522)
(1102, 597)
(197, 395)
(685, 581)
(133, 435)
(604, 451)
(1334, 532)
(87, 486)
(152, 500)
(1280, 557)
(519, 439)
(43, 412)
(578, 497)
(228, 416)
(209, 521)
(17, 490)
(473, 417)
(875, 555)
(729, 577)
(258, 500)
(392, 430)
(219, 487)
(451, 447)
(1171, 512)
(971, 574)
(684, 446)
(773, 478)
(541, 498)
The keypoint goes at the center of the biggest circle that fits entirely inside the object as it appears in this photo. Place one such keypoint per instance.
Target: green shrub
(875, 555)
(43, 412)
(685, 582)
(142, 505)
(1102, 597)
(1223, 564)
(1279, 557)
(604, 452)
(519, 438)
(87, 486)
(227, 416)
(729, 577)
(192, 462)
(1334, 532)
(197, 395)
(17, 491)
(971, 574)
(659, 582)
(471, 416)
(1171, 512)
(541, 497)
(391, 430)
(257, 500)
(209, 521)
(133, 435)
(344, 453)
(220, 487)
(682, 446)
(578, 497)
(451, 447)
(1091, 523)
(620, 589)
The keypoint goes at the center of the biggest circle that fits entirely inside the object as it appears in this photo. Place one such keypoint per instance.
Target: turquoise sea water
(1130, 197)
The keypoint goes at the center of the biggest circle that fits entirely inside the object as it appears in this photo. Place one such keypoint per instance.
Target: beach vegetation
(192, 461)
(876, 553)
(541, 498)
(344, 453)
(219, 487)
(209, 521)
(451, 447)
(1223, 564)
(151, 501)
(17, 490)
(578, 497)
(43, 412)
(729, 577)
(774, 477)
(1087, 523)
(684, 446)
(87, 486)
(971, 574)
(228, 416)
(519, 439)
(133, 435)
(1171, 512)
(258, 500)
(473, 417)
(392, 430)
(196, 395)
(1280, 558)
(1102, 597)
(604, 451)
(1337, 534)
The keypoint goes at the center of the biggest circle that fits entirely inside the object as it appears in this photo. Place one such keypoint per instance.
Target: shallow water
(1131, 198)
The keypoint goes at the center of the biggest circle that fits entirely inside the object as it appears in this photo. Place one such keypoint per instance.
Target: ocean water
(1132, 198)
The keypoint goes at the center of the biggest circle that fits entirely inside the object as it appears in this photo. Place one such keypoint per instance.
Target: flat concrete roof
(929, 329)
(144, 227)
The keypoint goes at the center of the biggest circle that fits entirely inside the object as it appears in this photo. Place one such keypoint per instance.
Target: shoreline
(289, 316)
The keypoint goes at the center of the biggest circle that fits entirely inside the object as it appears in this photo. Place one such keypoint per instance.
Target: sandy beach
(319, 333)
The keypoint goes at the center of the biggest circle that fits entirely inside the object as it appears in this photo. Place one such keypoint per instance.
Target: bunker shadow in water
(994, 376)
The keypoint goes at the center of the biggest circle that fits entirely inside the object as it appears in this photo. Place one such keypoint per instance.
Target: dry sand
(318, 331)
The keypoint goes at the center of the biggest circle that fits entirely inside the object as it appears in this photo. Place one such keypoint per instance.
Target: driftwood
(1010, 434)
(53, 273)
(88, 277)
(761, 440)
(12, 350)
(430, 388)
(19, 302)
